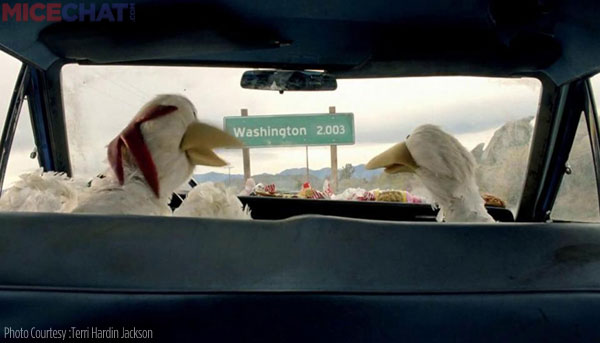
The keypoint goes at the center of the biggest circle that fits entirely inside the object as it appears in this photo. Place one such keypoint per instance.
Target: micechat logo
(70, 12)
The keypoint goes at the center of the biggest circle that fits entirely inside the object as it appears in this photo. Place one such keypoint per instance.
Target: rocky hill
(503, 165)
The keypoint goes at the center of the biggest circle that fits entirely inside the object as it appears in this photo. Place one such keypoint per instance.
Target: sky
(101, 100)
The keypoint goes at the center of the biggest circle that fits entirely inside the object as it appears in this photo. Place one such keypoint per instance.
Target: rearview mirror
(288, 80)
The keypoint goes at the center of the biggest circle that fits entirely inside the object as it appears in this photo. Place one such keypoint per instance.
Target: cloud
(467, 117)
(100, 101)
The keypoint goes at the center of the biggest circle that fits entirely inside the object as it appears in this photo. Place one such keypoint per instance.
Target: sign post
(246, 154)
(334, 160)
(307, 168)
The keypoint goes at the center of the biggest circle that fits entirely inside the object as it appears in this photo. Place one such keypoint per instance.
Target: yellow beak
(396, 159)
(199, 140)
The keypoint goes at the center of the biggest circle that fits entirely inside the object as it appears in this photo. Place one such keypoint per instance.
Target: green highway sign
(292, 129)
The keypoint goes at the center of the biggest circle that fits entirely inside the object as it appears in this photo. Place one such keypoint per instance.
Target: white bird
(212, 200)
(446, 169)
(153, 156)
(149, 159)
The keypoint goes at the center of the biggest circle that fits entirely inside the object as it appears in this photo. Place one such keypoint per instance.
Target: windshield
(492, 117)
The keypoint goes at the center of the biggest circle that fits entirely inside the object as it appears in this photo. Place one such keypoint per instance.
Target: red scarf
(132, 138)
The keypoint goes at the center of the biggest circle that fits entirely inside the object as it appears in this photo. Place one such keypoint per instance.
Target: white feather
(107, 196)
(213, 201)
(447, 169)
(163, 137)
(40, 191)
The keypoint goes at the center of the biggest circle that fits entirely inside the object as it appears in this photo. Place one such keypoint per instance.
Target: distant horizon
(281, 171)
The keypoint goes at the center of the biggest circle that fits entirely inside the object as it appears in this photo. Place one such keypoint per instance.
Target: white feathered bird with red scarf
(153, 156)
